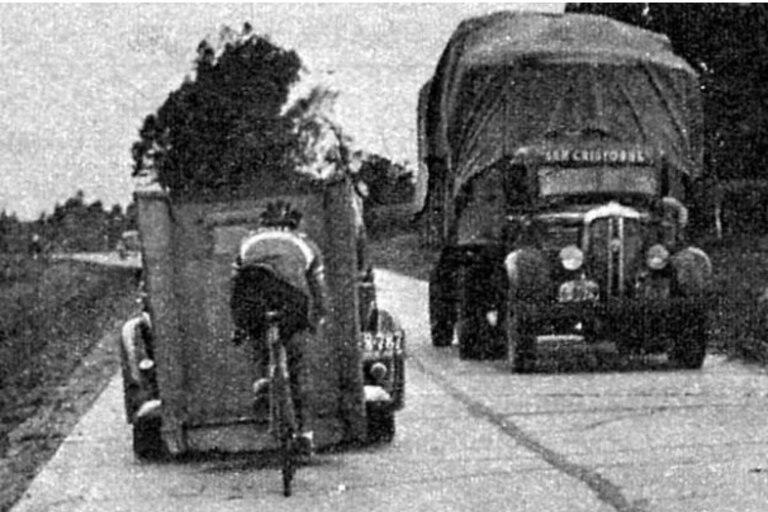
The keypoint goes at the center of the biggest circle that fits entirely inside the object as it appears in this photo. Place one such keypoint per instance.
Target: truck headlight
(657, 257)
(571, 257)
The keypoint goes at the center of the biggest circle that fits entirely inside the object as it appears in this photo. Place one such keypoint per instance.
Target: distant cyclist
(280, 269)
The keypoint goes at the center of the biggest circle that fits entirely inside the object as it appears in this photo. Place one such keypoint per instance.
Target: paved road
(473, 436)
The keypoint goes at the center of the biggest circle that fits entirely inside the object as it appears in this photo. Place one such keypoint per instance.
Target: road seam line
(605, 490)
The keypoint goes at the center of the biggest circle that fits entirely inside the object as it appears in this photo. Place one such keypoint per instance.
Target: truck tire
(442, 307)
(689, 348)
(522, 344)
(148, 444)
(478, 338)
(381, 422)
(473, 333)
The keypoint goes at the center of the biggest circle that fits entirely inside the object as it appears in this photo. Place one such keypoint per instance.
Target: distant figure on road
(122, 250)
(35, 246)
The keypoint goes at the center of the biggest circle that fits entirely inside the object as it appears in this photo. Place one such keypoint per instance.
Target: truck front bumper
(650, 325)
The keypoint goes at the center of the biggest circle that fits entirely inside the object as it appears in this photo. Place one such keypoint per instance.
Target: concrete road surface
(473, 437)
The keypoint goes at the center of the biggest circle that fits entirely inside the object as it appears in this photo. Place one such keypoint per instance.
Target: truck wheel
(442, 310)
(478, 338)
(147, 442)
(471, 333)
(690, 345)
(381, 422)
(522, 345)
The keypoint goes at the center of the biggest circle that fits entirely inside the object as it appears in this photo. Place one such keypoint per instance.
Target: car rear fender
(133, 341)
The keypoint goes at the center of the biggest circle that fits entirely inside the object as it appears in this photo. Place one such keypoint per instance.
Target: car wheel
(442, 309)
(147, 441)
(381, 422)
(689, 347)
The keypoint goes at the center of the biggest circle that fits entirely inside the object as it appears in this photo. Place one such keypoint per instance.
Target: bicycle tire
(286, 419)
(289, 468)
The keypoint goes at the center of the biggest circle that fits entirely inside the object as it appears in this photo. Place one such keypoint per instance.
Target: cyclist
(279, 269)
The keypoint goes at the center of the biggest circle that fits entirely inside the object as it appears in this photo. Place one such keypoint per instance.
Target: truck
(563, 152)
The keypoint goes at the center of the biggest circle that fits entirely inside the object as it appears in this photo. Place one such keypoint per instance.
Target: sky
(76, 81)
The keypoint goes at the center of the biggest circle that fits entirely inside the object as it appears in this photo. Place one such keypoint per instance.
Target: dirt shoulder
(44, 401)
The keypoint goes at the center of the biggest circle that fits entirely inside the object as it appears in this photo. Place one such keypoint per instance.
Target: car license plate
(382, 342)
(580, 290)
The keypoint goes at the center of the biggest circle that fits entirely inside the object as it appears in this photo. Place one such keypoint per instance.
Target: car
(189, 389)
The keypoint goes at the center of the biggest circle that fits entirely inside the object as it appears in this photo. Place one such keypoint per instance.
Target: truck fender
(693, 270)
(527, 272)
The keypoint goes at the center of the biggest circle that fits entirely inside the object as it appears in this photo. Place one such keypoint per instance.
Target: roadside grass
(740, 322)
(52, 315)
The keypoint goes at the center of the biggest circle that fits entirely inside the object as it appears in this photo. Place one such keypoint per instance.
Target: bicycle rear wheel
(289, 466)
(285, 418)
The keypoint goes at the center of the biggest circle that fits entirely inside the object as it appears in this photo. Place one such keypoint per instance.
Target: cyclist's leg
(300, 342)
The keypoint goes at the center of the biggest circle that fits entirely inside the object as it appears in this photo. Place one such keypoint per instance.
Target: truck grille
(614, 254)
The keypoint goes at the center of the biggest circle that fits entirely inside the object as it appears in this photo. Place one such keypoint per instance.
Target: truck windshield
(558, 181)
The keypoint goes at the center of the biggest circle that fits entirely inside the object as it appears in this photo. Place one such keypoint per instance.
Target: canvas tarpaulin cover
(511, 80)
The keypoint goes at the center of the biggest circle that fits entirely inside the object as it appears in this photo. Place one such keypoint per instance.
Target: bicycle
(282, 410)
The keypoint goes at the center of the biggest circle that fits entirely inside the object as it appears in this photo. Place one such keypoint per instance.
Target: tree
(387, 182)
(321, 149)
(728, 44)
(224, 124)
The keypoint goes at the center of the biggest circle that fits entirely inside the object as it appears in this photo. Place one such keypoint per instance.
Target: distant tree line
(728, 45)
(72, 226)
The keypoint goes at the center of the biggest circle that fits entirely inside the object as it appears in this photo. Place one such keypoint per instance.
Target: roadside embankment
(52, 317)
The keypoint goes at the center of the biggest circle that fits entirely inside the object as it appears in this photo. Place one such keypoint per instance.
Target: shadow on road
(567, 361)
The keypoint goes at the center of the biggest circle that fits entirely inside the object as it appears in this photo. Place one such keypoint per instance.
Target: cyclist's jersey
(290, 256)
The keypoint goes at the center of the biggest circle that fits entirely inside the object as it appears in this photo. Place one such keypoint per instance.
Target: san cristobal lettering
(598, 156)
